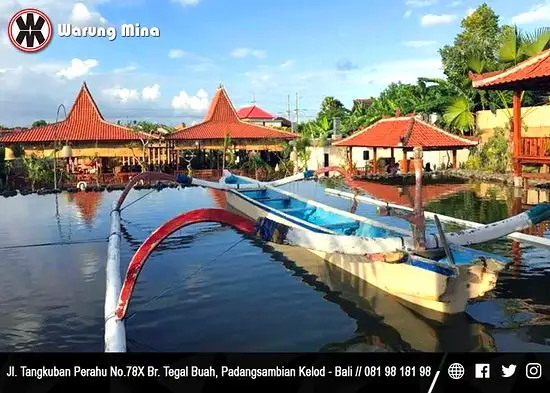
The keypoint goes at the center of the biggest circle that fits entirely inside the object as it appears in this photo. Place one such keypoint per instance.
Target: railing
(535, 147)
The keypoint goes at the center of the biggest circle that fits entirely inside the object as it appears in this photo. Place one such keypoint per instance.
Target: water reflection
(385, 323)
(52, 296)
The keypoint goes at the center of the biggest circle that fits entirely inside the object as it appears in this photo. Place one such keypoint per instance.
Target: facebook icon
(482, 371)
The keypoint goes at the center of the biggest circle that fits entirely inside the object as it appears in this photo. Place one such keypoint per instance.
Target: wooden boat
(432, 273)
(376, 253)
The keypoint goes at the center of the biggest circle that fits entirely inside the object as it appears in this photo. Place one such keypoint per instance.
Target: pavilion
(222, 120)
(88, 134)
(531, 74)
(400, 135)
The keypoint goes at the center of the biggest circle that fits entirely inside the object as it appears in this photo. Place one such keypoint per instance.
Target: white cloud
(538, 13)
(198, 102)
(151, 93)
(470, 11)
(77, 68)
(122, 70)
(431, 19)
(420, 3)
(419, 44)
(81, 15)
(176, 54)
(407, 14)
(455, 3)
(186, 3)
(122, 95)
(287, 64)
(244, 52)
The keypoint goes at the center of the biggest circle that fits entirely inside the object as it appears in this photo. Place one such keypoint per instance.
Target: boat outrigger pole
(415, 216)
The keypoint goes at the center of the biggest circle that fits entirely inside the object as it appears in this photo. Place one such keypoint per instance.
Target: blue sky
(263, 49)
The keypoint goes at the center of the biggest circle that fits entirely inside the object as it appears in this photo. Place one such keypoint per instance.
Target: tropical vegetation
(483, 45)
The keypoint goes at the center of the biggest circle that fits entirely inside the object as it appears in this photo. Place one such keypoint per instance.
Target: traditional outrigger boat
(434, 272)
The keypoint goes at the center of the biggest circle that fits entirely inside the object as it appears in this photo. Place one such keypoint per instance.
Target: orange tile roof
(407, 132)
(405, 195)
(528, 73)
(83, 123)
(222, 119)
(253, 112)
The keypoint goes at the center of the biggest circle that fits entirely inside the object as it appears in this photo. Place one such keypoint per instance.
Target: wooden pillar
(516, 138)
(392, 155)
(374, 161)
(404, 163)
(455, 166)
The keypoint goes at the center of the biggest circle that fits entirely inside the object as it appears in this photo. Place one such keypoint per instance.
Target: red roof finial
(397, 112)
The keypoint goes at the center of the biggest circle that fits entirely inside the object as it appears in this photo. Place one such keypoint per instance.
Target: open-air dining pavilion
(393, 139)
(531, 74)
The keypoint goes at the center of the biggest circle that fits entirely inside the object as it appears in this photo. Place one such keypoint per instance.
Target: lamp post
(66, 151)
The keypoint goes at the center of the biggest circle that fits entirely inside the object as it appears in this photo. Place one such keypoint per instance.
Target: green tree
(330, 108)
(480, 37)
(39, 123)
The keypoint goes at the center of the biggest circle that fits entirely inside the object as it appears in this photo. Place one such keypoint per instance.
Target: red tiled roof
(405, 195)
(409, 131)
(253, 112)
(222, 119)
(534, 69)
(83, 123)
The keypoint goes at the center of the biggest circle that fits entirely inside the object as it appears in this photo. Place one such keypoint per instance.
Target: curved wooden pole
(142, 176)
(193, 217)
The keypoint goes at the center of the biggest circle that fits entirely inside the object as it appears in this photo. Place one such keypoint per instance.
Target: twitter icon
(507, 372)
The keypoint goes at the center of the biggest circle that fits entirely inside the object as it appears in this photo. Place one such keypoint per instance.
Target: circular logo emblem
(30, 30)
(456, 371)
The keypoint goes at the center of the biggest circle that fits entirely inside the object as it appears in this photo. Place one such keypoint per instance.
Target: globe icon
(456, 371)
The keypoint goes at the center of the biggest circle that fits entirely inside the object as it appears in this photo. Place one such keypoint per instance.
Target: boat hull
(422, 287)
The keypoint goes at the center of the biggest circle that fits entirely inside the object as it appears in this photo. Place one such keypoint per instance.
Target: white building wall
(337, 156)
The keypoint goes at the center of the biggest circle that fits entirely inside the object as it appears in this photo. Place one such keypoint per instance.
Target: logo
(533, 370)
(30, 30)
(456, 371)
(507, 372)
(483, 370)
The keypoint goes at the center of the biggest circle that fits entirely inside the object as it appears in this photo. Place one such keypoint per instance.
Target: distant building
(256, 115)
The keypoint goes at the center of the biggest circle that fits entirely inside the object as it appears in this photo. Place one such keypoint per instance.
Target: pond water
(208, 288)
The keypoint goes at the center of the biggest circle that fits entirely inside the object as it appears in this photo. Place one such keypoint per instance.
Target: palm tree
(255, 163)
(515, 46)
(36, 171)
(228, 151)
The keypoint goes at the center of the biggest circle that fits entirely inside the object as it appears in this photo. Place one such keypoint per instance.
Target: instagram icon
(533, 371)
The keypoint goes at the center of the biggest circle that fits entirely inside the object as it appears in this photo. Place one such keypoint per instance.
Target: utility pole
(288, 106)
(297, 110)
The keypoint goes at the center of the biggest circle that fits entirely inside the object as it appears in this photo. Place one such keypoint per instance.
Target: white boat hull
(419, 286)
